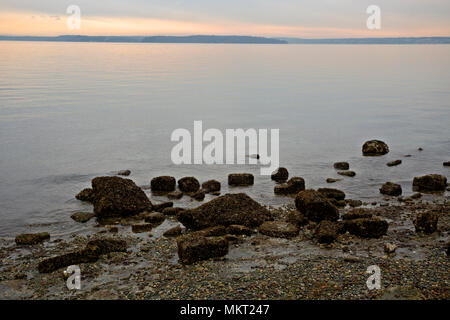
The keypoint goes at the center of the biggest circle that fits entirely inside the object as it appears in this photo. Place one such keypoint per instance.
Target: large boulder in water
(374, 148)
(225, 210)
(315, 206)
(430, 182)
(281, 174)
(114, 196)
(391, 189)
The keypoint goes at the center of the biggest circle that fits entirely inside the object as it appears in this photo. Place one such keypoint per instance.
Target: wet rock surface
(293, 186)
(241, 179)
(211, 186)
(331, 193)
(225, 210)
(326, 231)
(347, 173)
(163, 184)
(374, 148)
(175, 195)
(394, 163)
(315, 206)
(279, 229)
(426, 222)
(194, 248)
(86, 195)
(82, 217)
(341, 165)
(367, 227)
(115, 196)
(124, 173)
(430, 183)
(391, 189)
(32, 238)
(280, 175)
(188, 184)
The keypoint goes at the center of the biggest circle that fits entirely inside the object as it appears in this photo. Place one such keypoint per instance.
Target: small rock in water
(175, 195)
(394, 163)
(354, 203)
(419, 149)
(199, 195)
(189, 184)
(446, 164)
(163, 184)
(155, 217)
(341, 165)
(211, 186)
(389, 248)
(240, 179)
(293, 186)
(375, 148)
(281, 174)
(391, 189)
(161, 206)
(332, 180)
(82, 217)
(347, 173)
(32, 238)
(143, 227)
(407, 156)
(124, 173)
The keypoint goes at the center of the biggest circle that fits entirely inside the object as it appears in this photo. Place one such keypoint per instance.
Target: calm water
(73, 111)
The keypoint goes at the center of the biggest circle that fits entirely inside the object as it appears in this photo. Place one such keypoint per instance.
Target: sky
(270, 18)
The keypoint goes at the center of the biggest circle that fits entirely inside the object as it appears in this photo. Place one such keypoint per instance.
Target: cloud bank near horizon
(272, 18)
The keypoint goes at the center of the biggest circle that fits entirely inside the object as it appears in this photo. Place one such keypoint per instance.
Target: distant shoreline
(205, 39)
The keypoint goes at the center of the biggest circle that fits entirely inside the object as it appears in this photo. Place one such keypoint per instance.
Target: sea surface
(72, 111)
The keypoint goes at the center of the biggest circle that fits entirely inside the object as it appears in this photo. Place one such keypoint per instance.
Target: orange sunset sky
(289, 18)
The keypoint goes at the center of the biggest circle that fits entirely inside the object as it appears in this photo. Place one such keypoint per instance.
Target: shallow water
(73, 111)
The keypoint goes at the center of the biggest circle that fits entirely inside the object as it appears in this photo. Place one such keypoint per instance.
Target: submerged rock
(86, 195)
(375, 148)
(391, 189)
(193, 248)
(114, 196)
(163, 184)
(293, 186)
(367, 227)
(141, 227)
(225, 210)
(394, 163)
(175, 195)
(171, 211)
(32, 238)
(241, 179)
(281, 174)
(332, 193)
(315, 206)
(211, 186)
(199, 195)
(341, 165)
(82, 217)
(124, 173)
(279, 229)
(347, 173)
(163, 205)
(188, 184)
(430, 182)
(93, 250)
(426, 222)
